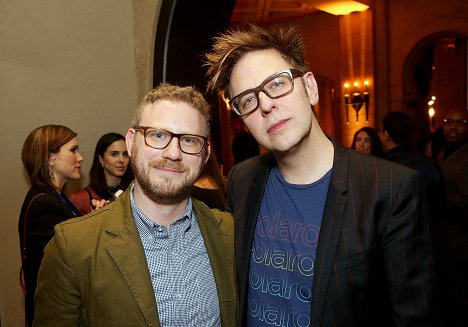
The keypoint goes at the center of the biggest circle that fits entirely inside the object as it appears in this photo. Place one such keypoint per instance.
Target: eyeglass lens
(160, 139)
(274, 87)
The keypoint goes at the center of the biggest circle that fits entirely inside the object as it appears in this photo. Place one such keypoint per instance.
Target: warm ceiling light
(337, 7)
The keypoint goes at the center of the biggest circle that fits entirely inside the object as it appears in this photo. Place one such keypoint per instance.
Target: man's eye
(249, 101)
(188, 140)
(159, 135)
(276, 84)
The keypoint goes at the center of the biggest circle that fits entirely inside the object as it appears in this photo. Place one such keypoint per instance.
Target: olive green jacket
(94, 272)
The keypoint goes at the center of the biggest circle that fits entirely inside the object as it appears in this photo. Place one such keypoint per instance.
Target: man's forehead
(457, 114)
(176, 116)
(266, 62)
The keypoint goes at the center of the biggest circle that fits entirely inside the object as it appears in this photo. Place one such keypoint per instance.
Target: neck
(58, 185)
(389, 145)
(309, 161)
(161, 214)
(112, 180)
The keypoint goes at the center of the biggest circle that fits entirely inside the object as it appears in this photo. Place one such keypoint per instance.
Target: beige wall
(83, 64)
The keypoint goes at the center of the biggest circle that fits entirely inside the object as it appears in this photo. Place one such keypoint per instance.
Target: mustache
(164, 163)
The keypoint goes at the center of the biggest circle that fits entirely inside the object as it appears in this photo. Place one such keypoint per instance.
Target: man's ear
(208, 151)
(311, 88)
(129, 139)
(384, 136)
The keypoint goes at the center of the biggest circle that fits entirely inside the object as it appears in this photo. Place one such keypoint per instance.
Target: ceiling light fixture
(337, 7)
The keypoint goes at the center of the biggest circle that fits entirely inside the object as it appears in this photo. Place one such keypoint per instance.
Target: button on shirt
(181, 274)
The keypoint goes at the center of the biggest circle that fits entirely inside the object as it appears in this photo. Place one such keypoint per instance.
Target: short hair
(376, 143)
(40, 143)
(230, 47)
(399, 126)
(169, 92)
(97, 178)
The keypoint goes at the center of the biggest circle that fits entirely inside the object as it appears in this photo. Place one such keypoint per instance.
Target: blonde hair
(187, 94)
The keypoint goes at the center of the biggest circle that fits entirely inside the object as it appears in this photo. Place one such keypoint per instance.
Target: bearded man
(155, 256)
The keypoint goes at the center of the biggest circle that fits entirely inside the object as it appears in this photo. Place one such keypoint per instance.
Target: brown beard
(164, 191)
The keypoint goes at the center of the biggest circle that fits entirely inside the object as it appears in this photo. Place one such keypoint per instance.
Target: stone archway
(435, 66)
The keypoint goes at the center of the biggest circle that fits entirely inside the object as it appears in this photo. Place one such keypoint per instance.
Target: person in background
(435, 145)
(455, 220)
(367, 141)
(397, 132)
(325, 236)
(211, 187)
(154, 256)
(51, 157)
(110, 173)
(244, 145)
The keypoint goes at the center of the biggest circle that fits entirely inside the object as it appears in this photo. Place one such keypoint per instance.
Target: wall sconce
(356, 99)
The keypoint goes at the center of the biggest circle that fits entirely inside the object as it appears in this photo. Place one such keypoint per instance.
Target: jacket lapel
(246, 227)
(219, 246)
(329, 232)
(124, 247)
(214, 242)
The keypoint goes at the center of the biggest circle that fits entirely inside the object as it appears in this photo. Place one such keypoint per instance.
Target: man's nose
(172, 150)
(265, 103)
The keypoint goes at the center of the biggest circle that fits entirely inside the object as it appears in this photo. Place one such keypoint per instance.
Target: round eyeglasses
(158, 138)
(275, 86)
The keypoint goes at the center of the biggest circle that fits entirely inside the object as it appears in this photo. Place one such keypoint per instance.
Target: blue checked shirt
(183, 281)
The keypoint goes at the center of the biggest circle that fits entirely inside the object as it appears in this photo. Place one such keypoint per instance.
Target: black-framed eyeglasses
(458, 122)
(275, 86)
(158, 138)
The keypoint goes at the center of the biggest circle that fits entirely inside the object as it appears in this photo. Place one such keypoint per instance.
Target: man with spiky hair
(325, 236)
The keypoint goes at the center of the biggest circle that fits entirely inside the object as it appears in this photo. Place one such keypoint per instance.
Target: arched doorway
(436, 67)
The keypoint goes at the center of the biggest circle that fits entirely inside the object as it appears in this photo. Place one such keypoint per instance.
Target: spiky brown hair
(231, 46)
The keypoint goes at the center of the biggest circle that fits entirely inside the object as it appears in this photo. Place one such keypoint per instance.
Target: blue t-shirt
(283, 252)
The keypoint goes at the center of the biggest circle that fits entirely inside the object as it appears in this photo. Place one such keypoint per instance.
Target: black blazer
(374, 262)
(45, 212)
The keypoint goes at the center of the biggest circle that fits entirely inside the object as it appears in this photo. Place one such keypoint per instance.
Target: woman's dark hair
(377, 148)
(211, 170)
(38, 146)
(97, 178)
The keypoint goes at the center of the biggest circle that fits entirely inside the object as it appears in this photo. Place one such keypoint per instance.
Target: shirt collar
(150, 224)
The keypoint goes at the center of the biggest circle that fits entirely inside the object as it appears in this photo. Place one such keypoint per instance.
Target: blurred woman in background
(109, 176)
(51, 158)
(367, 141)
(210, 187)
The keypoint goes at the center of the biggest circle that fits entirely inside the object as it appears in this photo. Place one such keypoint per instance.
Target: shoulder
(111, 217)
(218, 217)
(43, 197)
(362, 168)
(84, 194)
(252, 166)
(80, 195)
